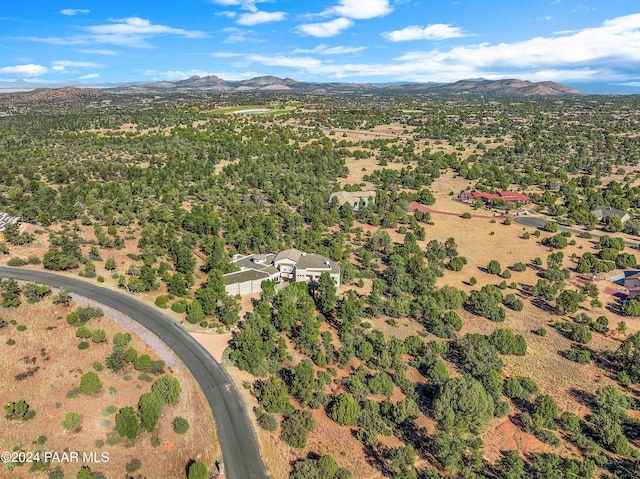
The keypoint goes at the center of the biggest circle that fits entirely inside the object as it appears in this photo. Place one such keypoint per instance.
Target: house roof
(242, 276)
(352, 196)
(291, 254)
(604, 211)
(316, 262)
(513, 196)
(6, 219)
(505, 195)
(247, 262)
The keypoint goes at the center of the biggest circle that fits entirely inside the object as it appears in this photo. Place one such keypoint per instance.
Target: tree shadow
(543, 305)
(614, 308)
(415, 436)
(586, 398)
(376, 458)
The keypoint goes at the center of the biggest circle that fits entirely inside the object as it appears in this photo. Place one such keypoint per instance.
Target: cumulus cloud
(326, 29)
(602, 53)
(326, 50)
(257, 18)
(135, 31)
(73, 11)
(360, 9)
(29, 70)
(436, 31)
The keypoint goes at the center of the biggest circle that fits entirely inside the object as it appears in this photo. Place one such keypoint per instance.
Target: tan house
(354, 198)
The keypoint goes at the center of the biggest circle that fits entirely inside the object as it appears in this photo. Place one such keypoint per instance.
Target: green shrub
(179, 306)
(72, 422)
(580, 356)
(466, 215)
(90, 383)
(133, 466)
(15, 262)
(82, 345)
(197, 470)
(265, 420)
(541, 332)
(180, 425)
(161, 301)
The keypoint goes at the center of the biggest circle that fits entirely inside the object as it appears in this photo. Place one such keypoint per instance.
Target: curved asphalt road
(240, 451)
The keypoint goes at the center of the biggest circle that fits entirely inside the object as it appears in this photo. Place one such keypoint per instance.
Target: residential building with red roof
(510, 196)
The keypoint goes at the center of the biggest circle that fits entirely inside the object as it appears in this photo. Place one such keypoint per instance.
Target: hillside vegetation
(462, 343)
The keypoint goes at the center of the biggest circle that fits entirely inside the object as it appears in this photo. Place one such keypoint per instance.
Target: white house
(288, 265)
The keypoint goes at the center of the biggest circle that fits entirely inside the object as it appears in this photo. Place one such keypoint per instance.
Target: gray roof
(604, 211)
(6, 219)
(242, 276)
(315, 261)
(247, 261)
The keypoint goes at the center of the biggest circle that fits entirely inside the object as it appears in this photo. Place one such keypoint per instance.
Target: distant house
(289, 265)
(509, 196)
(354, 198)
(601, 212)
(632, 284)
(6, 220)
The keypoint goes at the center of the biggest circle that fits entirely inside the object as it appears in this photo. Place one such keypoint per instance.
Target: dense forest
(181, 184)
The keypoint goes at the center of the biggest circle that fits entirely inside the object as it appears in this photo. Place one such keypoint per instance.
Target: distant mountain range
(214, 84)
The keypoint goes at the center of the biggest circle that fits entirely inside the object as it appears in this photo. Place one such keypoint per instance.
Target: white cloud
(257, 18)
(90, 76)
(602, 53)
(29, 70)
(360, 9)
(244, 4)
(326, 50)
(73, 11)
(55, 40)
(326, 29)
(436, 31)
(98, 51)
(227, 14)
(135, 31)
(238, 35)
(62, 66)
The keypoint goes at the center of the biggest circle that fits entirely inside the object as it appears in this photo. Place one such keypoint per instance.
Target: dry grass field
(45, 364)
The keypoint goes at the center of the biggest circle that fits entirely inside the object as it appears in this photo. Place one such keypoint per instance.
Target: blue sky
(569, 41)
